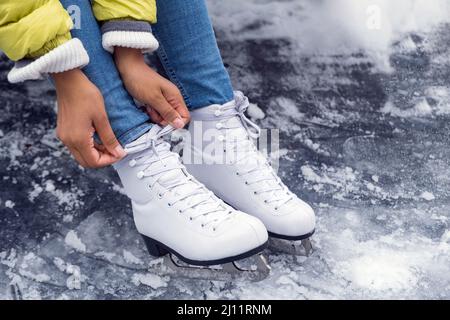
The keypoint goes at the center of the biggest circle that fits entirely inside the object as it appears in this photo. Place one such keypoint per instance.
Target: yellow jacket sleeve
(32, 28)
(142, 10)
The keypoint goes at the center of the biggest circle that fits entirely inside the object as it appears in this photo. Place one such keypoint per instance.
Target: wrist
(67, 77)
(71, 82)
(128, 59)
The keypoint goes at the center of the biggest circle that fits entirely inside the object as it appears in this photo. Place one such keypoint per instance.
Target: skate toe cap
(253, 229)
(296, 220)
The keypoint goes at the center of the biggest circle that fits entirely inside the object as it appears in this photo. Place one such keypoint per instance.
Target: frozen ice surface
(369, 150)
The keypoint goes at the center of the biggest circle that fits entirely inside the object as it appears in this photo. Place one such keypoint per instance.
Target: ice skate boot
(180, 219)
(220, 153)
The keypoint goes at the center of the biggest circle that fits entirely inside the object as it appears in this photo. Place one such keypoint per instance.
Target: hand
(81, 113)
(163, 100)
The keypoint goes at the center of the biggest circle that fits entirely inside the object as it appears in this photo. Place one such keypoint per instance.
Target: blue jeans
(188, 52)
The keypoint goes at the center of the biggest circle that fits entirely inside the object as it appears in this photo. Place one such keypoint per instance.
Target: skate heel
(154, 248)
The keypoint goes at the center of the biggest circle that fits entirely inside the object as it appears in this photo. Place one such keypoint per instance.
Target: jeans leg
(189, 53)
(127, 120)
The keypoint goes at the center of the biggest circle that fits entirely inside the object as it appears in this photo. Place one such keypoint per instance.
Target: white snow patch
(10, 259)
(421, 108)
(73, 282)
(427, 196)
(289, 108)
(255, 112)
(37, 190)
(68, 218)
(41, 277)
(9, 204)
(151, 280)
(382, 271)
(131, 258)
(73, 241)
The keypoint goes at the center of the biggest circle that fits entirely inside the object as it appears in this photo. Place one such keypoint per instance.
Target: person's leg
(189, 54)
(127, 120)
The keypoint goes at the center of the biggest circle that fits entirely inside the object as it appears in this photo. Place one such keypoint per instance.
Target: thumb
(168, 113)
(108, 138)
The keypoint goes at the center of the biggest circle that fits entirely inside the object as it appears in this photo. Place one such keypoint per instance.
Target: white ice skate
(222, 155)
(182, 220)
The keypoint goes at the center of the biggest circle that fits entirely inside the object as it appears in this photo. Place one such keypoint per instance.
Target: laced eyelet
(132, 163)
(221, 138)
(217, 113)
(140, 174)
(219, 125)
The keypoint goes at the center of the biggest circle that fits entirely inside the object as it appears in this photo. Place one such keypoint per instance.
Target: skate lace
(254, 167)
(156, 161)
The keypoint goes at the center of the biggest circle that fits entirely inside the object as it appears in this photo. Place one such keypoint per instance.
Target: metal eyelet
(160, 196)
(238, 174)
(179, 211)
(203, 225)
(276, 208)
(169, 204)
(246, 182)
(255, 193)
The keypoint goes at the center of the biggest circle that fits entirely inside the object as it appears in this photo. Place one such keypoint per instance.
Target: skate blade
(297, 248)
(258, 270)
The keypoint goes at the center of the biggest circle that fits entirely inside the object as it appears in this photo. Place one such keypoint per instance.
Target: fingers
(155, 116)
(167, 112)
(78, 157)
(88, 153)
(92, 157)
(175, 99)
(108, 137)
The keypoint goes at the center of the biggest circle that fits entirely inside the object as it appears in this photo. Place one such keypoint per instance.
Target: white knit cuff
(68, 56)
(129, 39)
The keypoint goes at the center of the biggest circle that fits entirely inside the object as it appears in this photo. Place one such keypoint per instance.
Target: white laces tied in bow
(242, 105)
(153, 154)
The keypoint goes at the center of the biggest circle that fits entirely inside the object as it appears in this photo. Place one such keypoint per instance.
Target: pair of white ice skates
(222, 204)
